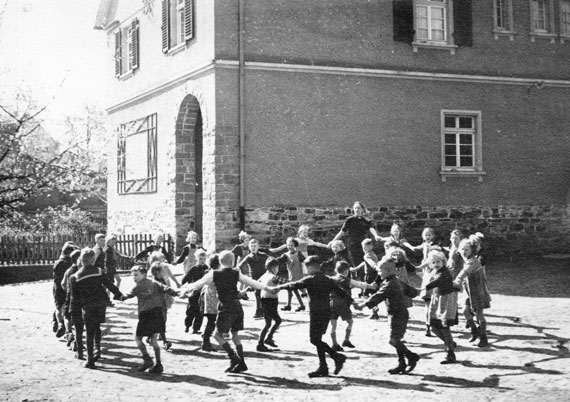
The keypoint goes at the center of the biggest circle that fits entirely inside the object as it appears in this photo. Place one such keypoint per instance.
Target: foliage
(33, 164)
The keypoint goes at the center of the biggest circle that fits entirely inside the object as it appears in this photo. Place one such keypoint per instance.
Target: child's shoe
(262, 348)
(55, 325)
(347, 344)
(234, 361)
(428, 331)
(450, 358)
(400, 369)
(207, 347)
(270, 342)
(338, 363)
(337, 348)
(240, 367)
(156, 369)
(79, 355)
(320, 372)
(147, 363)
(374, 315)
(300, 308)
(60, 331)
(286, 308)
(196, 331)
(167, 345)
(413, 359)
(90, 364)
(186, 329)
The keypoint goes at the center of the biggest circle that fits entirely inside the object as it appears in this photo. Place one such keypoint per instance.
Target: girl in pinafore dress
(294, 260)
(428, 235)
(473, 278)
(443, 303)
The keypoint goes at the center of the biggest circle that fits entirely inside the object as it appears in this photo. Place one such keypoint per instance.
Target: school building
(266, 114)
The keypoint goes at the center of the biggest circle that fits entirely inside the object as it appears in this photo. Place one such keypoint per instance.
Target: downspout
(241, 112)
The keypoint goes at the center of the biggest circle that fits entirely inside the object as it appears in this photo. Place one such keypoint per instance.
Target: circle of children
(215, 284)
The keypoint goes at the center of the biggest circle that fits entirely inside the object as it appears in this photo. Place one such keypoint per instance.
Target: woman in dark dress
(357, 228)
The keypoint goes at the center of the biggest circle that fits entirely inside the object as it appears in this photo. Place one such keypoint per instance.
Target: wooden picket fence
(44, 250)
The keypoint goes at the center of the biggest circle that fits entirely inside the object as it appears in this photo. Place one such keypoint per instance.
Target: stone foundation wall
(508, 229)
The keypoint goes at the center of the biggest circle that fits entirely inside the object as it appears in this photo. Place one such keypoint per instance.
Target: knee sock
(157, 354)
(227, 347)
(239, 350)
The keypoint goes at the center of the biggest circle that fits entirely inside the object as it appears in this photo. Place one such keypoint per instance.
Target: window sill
(461, 173)
(433, 45)
(498, 33)
(564, 38)
(176, 49)
(543, 35)
(126, 75)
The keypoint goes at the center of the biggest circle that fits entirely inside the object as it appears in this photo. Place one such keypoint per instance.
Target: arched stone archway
(188, 181)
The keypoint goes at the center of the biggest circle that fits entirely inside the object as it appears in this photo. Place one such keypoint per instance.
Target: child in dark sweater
(319, 286)
(395, 292)
(194, 315)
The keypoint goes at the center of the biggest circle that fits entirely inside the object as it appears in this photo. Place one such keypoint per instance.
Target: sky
(49, 49)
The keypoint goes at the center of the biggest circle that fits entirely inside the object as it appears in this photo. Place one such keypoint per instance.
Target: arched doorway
(189, 183)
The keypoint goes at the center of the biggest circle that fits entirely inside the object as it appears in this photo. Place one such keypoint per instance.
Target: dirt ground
(527, 360)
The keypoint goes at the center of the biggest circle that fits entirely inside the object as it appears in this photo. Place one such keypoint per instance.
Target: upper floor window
(127, 49)
(542, 19)
(503, 14)
(438, 24)
(461, 143)
(177, 23)
(565, 19)
(136, 156)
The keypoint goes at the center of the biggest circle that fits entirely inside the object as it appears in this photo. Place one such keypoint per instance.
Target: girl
(157, 245)
(294, 260)
(455, 261)
(167, 274)
(88, 297)
(340, 254)
(443, 303)
(188, 255)
(396, 238)
(159, 274)
(304, 241)
(472, 276)
(209, 301)
(429, 237)
(357, 228)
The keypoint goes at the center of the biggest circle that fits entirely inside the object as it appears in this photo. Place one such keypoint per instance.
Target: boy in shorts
(340, 307)
(230, 312)
(269, 303)
(320, 287)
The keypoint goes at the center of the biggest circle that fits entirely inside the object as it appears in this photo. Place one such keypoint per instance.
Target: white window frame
(549, 32)
(564, 34)
(447, 43)
(477, 169)
(503, 6)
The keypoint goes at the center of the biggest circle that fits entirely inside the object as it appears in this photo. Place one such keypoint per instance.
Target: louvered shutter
(463, 22)
(403, 20)
(118, 49)
(188, 19)
(165, 25)
(134, 44)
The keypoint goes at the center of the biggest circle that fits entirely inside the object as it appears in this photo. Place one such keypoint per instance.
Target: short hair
(396, 250)
(342, 266)
(271, 263)
(437, 255)
(139, 268)
(396, 225)
(227, 258)
(477, 237)
(99, 236)
(75, 254)
(312, 261)
(110, 238)
(303, 228)
(156, 236)
(243, 235)
(338, 243)
(467, 241)
(155, 268)
(201, 252)
(190, 234)
(293, 240)
(428, 230)
(87, 256)
(68, 249)
(214, 261)
(253, 240)
(367, 242)
(156, 256)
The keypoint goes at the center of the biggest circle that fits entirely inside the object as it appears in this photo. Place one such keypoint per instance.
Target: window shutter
(165, 25)
(463, 22)
(134, 44)
(403, 20)
(188, 19)
(118, 53)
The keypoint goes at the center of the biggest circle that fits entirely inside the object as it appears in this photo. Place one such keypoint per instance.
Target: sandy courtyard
(527, 360)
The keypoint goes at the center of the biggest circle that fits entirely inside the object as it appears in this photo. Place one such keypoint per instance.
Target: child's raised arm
(189, 287)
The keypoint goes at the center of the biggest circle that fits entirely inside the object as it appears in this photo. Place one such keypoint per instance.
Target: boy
(194, 316)
(340, 307)
(319, 287)
(59, 294)
(150, 302)
(99, 249)
(230, 312)
(269, 303)
(255, 261)
(394, 292)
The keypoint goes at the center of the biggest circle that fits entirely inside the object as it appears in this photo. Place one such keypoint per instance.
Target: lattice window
(136, 156)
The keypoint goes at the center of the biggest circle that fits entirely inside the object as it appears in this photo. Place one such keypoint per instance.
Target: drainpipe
(241, 112)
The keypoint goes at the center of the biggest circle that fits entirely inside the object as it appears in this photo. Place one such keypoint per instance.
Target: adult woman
(357, 228)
